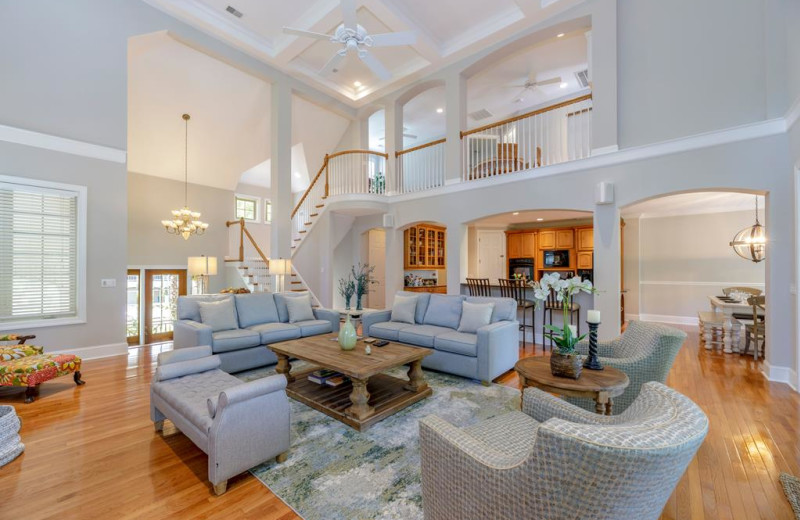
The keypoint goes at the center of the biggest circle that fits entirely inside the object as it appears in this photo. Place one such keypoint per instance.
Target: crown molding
(10, 134)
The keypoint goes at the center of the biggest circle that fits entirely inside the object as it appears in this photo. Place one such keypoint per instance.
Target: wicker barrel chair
(645, 352)
(575, 464)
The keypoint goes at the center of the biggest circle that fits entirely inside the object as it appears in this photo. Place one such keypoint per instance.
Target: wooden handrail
(420, 147)
(243, 231)
(529, 114)
(308, 190)
(345, 152)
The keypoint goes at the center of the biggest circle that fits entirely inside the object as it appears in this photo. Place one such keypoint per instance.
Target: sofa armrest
(328, 315)
(543, 406)
(369, 319)
(185, 368)
(184, 354)
(498, 349)
(246, 391)
(439, 436)
(188, 333)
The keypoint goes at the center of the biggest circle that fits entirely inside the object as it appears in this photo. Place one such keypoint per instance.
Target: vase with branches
(347, 287)
(362, 276)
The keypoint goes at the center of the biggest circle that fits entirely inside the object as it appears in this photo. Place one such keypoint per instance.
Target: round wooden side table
(600, 385)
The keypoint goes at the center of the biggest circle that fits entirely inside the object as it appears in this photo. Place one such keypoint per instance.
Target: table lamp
(280, 267)
(202, 267)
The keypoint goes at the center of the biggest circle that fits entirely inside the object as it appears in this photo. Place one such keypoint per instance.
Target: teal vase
(347, 335)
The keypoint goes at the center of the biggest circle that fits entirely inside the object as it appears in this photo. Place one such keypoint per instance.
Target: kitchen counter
(439, 289)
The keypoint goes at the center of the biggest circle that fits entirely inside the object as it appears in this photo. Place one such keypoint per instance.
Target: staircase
(254, 273)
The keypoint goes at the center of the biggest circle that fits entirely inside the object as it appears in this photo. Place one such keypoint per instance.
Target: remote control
(381, 343)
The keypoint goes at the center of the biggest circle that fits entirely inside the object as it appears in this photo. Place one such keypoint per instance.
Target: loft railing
(551, 135)
(341, 173)
(420, 168)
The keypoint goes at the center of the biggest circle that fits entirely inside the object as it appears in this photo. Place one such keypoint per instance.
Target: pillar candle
(593, 316)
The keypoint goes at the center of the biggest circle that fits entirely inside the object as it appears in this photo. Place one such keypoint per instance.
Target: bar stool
(515, 288)
(479, 287)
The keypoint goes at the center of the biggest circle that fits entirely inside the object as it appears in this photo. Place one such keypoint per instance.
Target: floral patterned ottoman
(25, 365)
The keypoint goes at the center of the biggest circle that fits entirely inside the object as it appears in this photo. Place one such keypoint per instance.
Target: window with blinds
(39, 256)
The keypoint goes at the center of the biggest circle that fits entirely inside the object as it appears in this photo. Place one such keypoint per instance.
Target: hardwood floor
(91, 452)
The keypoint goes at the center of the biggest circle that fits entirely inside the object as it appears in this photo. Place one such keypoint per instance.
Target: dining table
(731, 327)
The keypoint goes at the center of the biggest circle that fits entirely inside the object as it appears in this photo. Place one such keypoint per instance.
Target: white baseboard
(672, 320)
(96, 352)
(632, 317)
(605, 149)
(779, 374)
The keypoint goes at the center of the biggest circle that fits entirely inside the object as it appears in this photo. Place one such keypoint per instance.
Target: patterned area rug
(791, 487)
(335, 472)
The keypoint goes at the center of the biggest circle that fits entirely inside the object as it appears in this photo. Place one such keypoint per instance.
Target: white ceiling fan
(355, 38)
(531, 84)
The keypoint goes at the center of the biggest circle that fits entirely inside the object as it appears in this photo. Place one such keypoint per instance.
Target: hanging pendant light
(751, 243)
(185, 222)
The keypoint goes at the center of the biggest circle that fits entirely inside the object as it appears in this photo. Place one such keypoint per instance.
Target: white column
(607, 269)
(456, 121)
(394, 263)
(456, 257)
(393, 139)
(281, 170)
(604, 77)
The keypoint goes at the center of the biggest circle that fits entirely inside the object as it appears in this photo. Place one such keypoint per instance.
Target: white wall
(684, 259)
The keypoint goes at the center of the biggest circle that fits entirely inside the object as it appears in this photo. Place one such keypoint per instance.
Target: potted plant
(564, 361)
(362, 275)
(347, 287)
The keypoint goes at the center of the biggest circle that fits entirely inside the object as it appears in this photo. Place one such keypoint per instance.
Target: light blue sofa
(482, 356)
(263, 319)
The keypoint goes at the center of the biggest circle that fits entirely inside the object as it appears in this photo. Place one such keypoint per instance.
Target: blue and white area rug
(335, 472)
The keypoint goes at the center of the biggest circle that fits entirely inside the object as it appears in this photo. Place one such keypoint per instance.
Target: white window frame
(267, 207)
(81, 192)
(257, 200)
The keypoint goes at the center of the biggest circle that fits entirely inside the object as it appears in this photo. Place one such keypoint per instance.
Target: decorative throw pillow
(475, 316)
(403, 308)
(219, 315)
(299, 308)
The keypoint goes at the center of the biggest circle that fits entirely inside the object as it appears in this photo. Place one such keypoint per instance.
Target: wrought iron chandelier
(751, 243)
(185, 222)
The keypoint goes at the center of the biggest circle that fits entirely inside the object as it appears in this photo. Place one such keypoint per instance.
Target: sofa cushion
(219, 315)
(461, 343)
(189, 394)
(299, 308)
(422, 304)
(404, 307)
(275, 332)
(421, 335)
(444, 311)
(388, 330)
(256, 308)
(505, 309)
(280, 302)
(227, 340)
(313, 327)
(187, 305)
(475, 316)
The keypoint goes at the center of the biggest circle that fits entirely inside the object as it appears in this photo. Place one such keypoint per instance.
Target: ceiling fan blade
(522, 85)
(310, 34)
(410, 136)
(349, 14)
(332, 63)
(395, 38)
(550, 81)
(374, 65)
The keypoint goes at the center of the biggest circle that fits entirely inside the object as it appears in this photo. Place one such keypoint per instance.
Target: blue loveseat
(493, 350)
(262, 319)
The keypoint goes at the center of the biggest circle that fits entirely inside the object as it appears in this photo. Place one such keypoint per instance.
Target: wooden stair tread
(301, 231)
(320, 206)
(314, 215)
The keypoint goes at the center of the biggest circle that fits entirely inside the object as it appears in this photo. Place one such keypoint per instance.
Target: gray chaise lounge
(238, 425)
(262, 318)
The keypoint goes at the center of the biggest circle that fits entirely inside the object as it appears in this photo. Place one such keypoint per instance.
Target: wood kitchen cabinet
(547, 240)
(565, 239)
(585, 239)
(425, 247)
(521, 245)
(437, 289)
(585, 260)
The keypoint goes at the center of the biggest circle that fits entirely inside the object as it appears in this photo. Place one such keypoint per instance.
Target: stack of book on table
(327, 377)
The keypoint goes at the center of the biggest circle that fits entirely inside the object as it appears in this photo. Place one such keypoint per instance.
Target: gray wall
(151, 199)
(106, 250)
(684, 259)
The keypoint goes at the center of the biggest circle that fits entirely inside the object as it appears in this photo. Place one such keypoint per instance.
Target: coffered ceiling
(446, 30)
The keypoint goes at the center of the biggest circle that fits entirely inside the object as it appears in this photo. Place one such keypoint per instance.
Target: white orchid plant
(564, 289)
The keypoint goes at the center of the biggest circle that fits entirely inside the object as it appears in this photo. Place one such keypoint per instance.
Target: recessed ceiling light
(560, 35)
(356, 84)
(515, 213)
(564, 85)
(539, 219)
(439, 110)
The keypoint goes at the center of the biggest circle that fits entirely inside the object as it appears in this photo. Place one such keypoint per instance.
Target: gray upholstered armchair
(645, 352)
(575, 464)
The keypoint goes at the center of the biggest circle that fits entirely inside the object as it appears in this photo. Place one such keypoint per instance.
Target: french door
(161, 290)
(133, 307)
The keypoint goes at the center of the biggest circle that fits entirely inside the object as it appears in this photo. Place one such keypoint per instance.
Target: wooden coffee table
(370, 396)
(600, 385)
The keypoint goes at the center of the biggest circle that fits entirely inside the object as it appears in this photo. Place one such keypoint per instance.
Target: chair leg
(30, 394)
(159, 426)
(221, 488)
(77, 378)
(280, 459)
